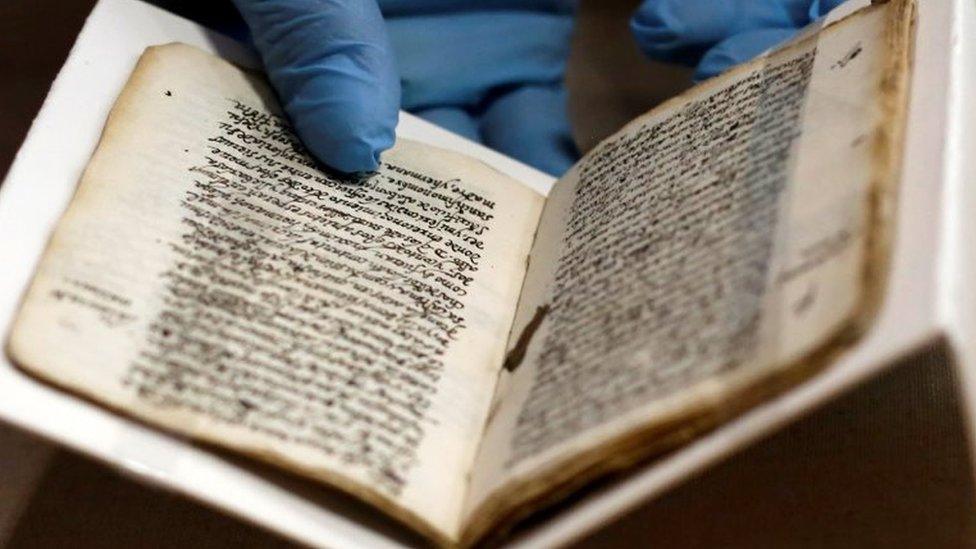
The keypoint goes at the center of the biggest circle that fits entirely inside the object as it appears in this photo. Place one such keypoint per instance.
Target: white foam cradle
(930, 301)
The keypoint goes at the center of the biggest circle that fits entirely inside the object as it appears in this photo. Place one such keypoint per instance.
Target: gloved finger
(456, 59)
(819, 8)
(529, 123)
(683, 30)
(332, 65)
(740, 48)
(397, 8)
(454, 119)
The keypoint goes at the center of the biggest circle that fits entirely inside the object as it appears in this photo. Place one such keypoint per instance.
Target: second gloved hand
(716, 34)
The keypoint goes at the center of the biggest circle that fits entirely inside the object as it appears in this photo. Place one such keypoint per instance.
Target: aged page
(210, 279)
(696, 261)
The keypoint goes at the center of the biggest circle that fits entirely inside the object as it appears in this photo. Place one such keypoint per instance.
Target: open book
(440, 340)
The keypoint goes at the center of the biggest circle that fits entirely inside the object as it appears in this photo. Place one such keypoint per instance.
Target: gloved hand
(490, 70)
(716, 34)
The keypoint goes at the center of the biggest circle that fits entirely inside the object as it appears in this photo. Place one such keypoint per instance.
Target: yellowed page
(691, 263)
(208, 278)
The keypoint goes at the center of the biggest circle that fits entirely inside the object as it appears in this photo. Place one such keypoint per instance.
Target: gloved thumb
(333, 67)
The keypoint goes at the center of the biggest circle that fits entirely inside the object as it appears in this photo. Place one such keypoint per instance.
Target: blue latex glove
(334, 70)
(716, 34)
(489, 70)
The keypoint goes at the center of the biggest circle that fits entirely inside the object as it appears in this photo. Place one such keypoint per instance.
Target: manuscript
(435, 337)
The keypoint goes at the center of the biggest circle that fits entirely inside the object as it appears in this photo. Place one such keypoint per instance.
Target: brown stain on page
(517, 354)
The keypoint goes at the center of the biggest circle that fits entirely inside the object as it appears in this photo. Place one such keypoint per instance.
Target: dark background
(886, 466)
(35, 37)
